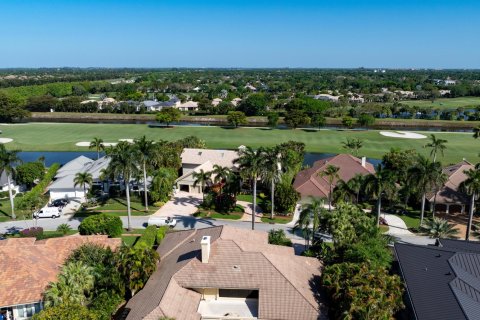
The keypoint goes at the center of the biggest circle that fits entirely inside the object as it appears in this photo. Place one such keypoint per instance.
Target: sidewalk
(247, 216)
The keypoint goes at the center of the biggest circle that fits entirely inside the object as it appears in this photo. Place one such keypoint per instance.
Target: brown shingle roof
(450, 193)
(309, 183)
(27, 266)
(286, 283)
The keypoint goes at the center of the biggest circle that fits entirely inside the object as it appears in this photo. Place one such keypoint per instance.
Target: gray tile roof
(442, 282)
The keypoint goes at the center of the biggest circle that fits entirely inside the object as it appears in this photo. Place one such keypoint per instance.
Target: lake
(63, 157)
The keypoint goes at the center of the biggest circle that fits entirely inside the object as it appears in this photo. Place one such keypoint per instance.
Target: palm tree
(162, 180)
(221, 175)
(343, 192)
(8, 160)
(440, 228)
(331, 173)
(377, 184)
(437, 145)
(310, 218)
(146, 151)
(123, 165)
(250, 165)
(425, 176)
(82, 179)
(355, 184)
(353, 145)
(97, 144)
(471, 186)
(74, 284)
(272, 172)
(476, 132)
(202, 178)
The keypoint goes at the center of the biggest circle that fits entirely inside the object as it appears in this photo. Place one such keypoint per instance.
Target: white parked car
(47, 212)
(162, 221)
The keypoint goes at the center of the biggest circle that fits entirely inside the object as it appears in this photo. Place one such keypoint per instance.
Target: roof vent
(236, 267)
(438, 255)
(448, 273)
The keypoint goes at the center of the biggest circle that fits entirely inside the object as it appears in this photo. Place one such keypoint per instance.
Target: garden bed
(236, 214)
(277, 219)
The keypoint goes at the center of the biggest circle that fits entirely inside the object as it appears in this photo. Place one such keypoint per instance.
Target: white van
(47, 212)
(162, 221)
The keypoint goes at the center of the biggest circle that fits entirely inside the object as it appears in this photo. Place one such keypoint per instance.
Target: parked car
(59, 203)
(47, 212)
(162, 221)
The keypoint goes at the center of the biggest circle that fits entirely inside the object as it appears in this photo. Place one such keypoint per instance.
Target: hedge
(30, 198)
(101, 224)
(148, 238)
(161, 232)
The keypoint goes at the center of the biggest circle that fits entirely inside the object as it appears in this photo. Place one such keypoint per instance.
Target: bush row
(101, 224)
(30, 199)
(148, 238)
(161, 232)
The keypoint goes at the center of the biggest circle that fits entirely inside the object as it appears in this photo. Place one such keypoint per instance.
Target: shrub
(148, 238)
(31, 198)
(208, 201)
(159, 204)
(286, 197)
(33, 232)
(64, 228)
(106, 304)
(161, 232)
(66, 311)
(5, 194)
(225, 203)
(101, 224)
(279, 238)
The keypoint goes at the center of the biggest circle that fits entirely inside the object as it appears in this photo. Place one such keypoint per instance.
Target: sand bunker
(401, 134)
(5, 140)
(127, 140)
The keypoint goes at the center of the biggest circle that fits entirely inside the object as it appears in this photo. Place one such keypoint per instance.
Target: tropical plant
(82, 179)
(279, 238)
(64, 228)
(476, 132)
(379, 183)
(309, 218)
(73, 286)
(471, 186)
(436, 146)
(101, 224)
(98, 145)
(221, 173)
(66, 311)
(353, 145)
(162, 184)
(272, 172)
(168, 115)
(8, 161)
(203, 179)
(123, 164)
(426, 176)
(236, 118)
(343, 192)
(439, 228)
(136, 264)
(331, 173)
(146, 151)
(250, 165)
(286, 198)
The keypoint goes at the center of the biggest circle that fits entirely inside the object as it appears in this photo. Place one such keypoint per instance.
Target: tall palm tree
(251, 164)
(221, 173)
(82, 179)
(202, 178)
(123, 165)
(343, 192)
(437, 145)
(471, 186)
(162, 180)
(272, 172)
(377, 184)
(353, 145)
(98, 145)
(310, 218)
(331, 173)
(355, 184)
(8, 160)
(146, 151)
(425, 176)
(476, 132)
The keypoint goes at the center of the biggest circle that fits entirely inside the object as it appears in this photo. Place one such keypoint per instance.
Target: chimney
(205, 244)
(364, 161)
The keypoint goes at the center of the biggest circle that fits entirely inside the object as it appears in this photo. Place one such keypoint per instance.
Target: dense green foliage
(32, 199)
(278, 237)
(161, 232)
(28, 172)
(66, 311)
(101, 224)
(148, 238)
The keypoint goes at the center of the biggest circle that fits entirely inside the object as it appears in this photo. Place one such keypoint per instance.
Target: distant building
(216, 102)
(250, 87)
(326, 97)
(27, 267)
(310, 183)
(4, 183)
(188, 106)
(236, 101)
(228, 273)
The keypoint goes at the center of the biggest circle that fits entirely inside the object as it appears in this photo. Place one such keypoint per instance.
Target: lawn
(277, 219)
(449, 103)
(6, 210)
(412, 218)
(248, 198)
(120, 204)
(63, 136)
(212, 214)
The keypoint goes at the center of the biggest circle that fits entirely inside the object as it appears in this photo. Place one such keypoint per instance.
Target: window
(238, 293)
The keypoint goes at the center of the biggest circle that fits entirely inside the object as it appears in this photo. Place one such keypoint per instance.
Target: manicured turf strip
(452, 103)
(63, 136)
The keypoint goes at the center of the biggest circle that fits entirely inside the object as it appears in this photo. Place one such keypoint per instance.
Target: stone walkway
(247, 216)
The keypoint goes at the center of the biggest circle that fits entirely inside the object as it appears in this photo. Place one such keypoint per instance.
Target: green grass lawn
(6, 211)
(212, 214)
(277, 219)
(248, 198)
(120, 204)
(451, 103)
(63, 136)
(412, 219)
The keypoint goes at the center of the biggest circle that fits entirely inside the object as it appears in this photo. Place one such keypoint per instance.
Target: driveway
(398, 229)
(183, 204)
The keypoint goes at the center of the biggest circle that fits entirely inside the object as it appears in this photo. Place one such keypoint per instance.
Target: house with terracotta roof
(195, 160)
(28, 265)
(449, 198)
(310, 183)
(228, 273)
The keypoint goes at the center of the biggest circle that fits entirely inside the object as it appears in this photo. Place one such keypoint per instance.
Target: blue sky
(231, 33)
